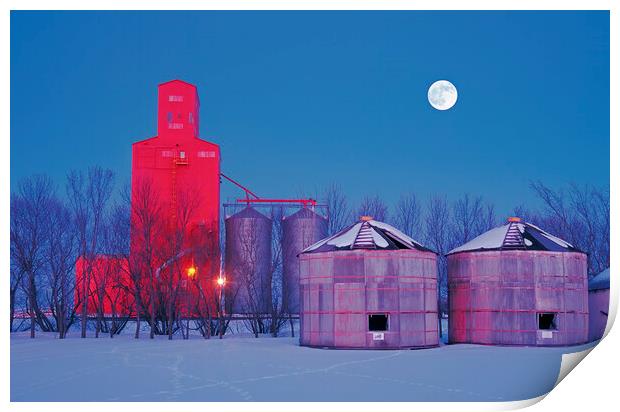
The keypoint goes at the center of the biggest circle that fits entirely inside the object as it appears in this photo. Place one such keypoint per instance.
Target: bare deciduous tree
(278, 310)
(211, 318)
(488, 219)
(375, 207)
(176, 278)
(17, 275)
(471, 216)
(408, 215)
(60, 257)
(147, 232)
(88, 195)
(439, 237)
(467, 216)
(338, 209)
(118, 295)
(29, 209)
(581, 216)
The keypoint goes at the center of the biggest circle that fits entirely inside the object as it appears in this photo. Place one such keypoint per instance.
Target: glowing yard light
(191, 272)
(221, 281)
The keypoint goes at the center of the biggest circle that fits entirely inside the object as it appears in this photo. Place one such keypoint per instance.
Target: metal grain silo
(299, 230)
(248, 262)
(368, 286)
(598, 305)
(518, 285)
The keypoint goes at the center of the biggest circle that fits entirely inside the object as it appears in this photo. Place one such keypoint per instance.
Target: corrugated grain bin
(248, 262)
(299, 230)
(598, 303)
(518, 285)
(368, 286)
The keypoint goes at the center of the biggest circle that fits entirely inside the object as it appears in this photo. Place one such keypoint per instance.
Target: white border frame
(591, 388)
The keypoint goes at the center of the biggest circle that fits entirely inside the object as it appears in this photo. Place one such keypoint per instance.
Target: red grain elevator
(175, 182)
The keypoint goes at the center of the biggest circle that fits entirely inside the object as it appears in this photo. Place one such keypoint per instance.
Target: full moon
(442, 95)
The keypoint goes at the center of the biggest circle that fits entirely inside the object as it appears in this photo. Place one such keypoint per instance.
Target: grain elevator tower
(176, 189)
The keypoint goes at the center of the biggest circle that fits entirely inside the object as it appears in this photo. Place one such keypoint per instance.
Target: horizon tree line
(50, 230)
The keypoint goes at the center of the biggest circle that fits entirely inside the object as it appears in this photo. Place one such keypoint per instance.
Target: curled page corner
(613, 310)
(569, 361)
(526, 403)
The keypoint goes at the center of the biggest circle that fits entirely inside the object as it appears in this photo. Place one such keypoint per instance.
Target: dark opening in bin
(378, 322)
(546, 321)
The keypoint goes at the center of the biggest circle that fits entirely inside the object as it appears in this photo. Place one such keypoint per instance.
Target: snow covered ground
(271, 369)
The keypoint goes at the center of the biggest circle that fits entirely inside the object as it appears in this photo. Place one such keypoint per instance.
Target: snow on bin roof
(600, 281)
(366, 234)
(516, 235)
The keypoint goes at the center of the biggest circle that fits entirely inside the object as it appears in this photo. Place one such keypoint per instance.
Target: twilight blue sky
(298, 100)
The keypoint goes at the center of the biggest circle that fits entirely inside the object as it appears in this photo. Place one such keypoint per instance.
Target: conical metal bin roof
(367, 234)
(516, 235)
(248, 213)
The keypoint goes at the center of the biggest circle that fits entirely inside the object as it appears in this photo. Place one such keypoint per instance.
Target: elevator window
(547, 321)
(378, 322)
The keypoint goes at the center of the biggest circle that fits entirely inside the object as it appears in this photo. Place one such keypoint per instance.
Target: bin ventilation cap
(516, 235)
(366, 234)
